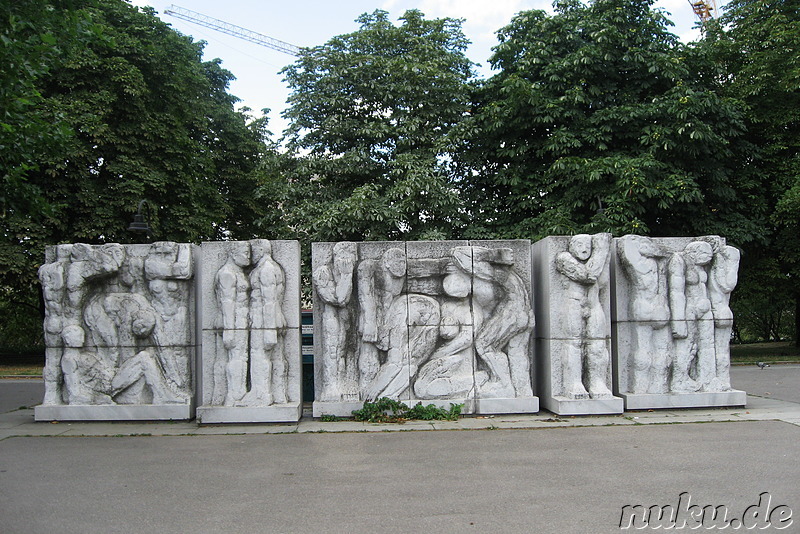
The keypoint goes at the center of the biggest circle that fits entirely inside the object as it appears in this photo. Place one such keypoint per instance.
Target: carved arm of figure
(725, 268)
(344, 265)
(677, 295)
(182, 268)
(226, 295)
(601, 248)
(367, 300)
(573, 269)
(272, 283)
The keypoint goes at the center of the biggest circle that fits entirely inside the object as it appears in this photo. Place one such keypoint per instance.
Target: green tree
(757, 45)
(369, 116)
(139, 116)
(596, 121)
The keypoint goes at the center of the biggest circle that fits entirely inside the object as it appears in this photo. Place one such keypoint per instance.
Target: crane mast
(705, 10)
(231, 29)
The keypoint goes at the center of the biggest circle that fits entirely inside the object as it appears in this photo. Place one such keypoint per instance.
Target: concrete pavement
(355, 477)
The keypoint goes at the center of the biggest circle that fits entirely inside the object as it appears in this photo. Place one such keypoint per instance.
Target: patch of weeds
(386, 410)
(328, 418)
(554, 420)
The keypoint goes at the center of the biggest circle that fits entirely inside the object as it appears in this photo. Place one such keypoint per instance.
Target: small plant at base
(386, 410)
(328, 418)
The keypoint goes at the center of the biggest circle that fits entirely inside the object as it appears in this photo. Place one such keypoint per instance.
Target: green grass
(765, 352)
(20, 370)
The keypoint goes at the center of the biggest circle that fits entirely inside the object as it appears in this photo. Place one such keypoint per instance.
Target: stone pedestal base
(114, 412)
(513, 405)
(277, 413)
(650, 401)
(339, 409)
(566, 406)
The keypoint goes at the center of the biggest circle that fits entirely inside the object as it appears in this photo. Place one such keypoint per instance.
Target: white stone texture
(119, 331)
(573, 327)
(435, 322)
(250, 317)
(671, 326)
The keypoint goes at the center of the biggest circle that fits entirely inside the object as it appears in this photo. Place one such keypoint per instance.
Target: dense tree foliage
(756, 47)
(136, 114)
(595, 122)
(370, 112)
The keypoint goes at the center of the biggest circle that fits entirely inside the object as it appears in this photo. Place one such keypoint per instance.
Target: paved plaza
(533, 473)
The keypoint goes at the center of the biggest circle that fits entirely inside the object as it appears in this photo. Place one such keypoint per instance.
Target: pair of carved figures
(678, 295)
(117, 324)
(248, 365)
(421, 320)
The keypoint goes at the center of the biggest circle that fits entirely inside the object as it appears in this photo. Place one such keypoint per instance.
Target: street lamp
(139, 225)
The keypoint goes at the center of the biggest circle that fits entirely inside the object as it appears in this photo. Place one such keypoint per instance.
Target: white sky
(313, 22)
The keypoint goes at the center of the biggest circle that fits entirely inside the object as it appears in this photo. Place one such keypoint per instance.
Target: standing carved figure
(694, 365)
(164, 267)
(268, 365)
(586, 348)
(650, 312)
(231, 289)
(53, 277)
(721, 282)
(503, 319)
(333, 282)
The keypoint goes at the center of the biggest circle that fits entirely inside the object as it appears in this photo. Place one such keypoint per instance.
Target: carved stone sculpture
(250, 301)
(673, 322)
(439, 322)
(573, 332)
(119, 332)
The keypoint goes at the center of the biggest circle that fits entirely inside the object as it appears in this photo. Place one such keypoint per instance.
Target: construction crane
(705, 10)
(232, 29)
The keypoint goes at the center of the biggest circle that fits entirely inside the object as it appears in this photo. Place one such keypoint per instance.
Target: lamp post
(139, 225)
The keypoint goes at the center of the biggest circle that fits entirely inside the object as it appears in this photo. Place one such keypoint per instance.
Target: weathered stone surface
(250, 302)
(119, 330)
(672, 322)
(436, 322)
(573, 330)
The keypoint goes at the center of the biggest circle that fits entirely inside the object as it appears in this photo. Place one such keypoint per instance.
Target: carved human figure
(87, 378)
(268, 364)
(88, 264)
(380, 283)
(503, 319)
(165, 267)
(586, 354)
(650, 312)
(333, 282)
(448, 373)
(231, 290)
(694, 365)
(721, 282)
(53, 278)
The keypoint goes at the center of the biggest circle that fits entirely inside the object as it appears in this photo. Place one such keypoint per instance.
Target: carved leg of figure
(597, 365)
(641, 368)
(53, 377)
(572, 369)
(218, 387)
(331, 350)
(681, 381)
(445, 378)
(236, 370)
(722, 340)
(279, 374)
(706, 359)
(75, 391)
(520, 364)
(260, 368)
(661, 359)
(368, 364)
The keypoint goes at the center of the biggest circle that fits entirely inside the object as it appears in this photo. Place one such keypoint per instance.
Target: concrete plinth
(566, 406)
(279, 413)
(654, 401)
(511, 405)
(149, 412)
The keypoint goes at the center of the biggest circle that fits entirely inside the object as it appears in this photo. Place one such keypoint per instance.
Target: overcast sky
(313, 22)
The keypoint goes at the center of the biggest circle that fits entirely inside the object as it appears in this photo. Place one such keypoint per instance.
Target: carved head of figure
(580, 246)
(394, 261)
(73, 336)
(260, 248)
(112, 255)
(239, 253)
(646, 246)
(699, 252)
(143, 322)
(80, 252)
(164, 248)
(63, 252)
(344, 256)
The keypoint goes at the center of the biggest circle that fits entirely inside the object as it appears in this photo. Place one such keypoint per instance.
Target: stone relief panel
(573, 332)
(431, 321)
(118, 325)
(673, 323)
(251, 322)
